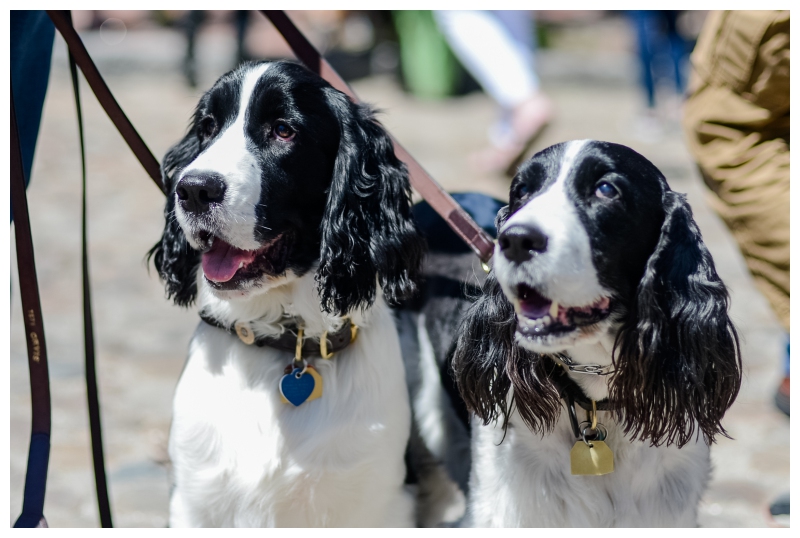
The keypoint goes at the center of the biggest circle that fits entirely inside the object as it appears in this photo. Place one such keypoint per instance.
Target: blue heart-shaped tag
(297, 388)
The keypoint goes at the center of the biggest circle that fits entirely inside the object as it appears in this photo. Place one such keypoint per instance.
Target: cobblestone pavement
(141, 338)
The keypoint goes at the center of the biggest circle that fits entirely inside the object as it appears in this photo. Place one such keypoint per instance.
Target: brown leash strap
(39, 452)
(104, 96)
(458, 219)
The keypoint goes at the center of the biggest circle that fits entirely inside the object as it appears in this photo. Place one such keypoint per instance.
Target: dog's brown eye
(283, 131)
(606, 190)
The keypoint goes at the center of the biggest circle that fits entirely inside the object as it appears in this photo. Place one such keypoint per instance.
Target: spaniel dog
(288, 222)
(599, 359)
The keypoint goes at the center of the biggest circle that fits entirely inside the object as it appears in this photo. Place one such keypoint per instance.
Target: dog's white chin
(250, 289)
(555, 343)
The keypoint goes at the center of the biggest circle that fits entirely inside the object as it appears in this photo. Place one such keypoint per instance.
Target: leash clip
(590, 429)
(485, 264)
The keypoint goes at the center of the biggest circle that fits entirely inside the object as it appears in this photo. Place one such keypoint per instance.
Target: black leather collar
(288, 340)
(571, 393)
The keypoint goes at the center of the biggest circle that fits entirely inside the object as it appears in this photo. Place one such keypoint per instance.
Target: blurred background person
(737, 127)
(191, 22)
(662, 53)
(497, 48)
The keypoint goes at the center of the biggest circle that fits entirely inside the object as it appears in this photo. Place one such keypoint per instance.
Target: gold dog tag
(593, 459)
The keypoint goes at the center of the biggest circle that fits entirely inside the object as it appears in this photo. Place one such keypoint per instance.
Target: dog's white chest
(243, 458)
(526, 481)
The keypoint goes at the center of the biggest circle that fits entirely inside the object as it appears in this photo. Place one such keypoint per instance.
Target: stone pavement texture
(141, 338)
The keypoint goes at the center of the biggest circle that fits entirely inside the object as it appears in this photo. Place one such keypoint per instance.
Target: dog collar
(571, 393)
(292, 338)
(300, 382)
(591, 369)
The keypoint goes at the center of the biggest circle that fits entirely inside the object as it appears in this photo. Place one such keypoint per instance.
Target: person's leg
(643, 24)
(496, 50)
(678, 49)
(240, 21)
(484, 46)
(191, 24)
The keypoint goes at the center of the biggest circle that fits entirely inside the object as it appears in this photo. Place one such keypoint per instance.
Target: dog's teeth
(554, 309)
(241, 264)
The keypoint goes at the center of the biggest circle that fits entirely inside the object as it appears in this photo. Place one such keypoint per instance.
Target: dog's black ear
(677, 358)
(487, 363)
(175, 260)
(368, 234)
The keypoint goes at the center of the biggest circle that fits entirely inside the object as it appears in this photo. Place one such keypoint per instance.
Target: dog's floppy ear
(487, 363)
(368, 234)
(484, 344)
(175, 260)
(677, 358)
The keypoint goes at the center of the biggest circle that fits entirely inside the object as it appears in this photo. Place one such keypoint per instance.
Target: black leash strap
(88, 327)
(63, 23)
(39, 452)
(455, 216)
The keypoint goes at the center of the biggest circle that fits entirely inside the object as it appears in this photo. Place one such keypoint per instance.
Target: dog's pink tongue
(223, 260)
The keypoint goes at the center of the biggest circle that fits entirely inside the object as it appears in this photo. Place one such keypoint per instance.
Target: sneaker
(779, 511)
(527, 124)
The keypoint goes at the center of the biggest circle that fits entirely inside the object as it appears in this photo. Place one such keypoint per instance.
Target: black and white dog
(288, 210)
(601, 291)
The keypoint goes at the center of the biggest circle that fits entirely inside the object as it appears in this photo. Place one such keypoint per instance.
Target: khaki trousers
(736, 121)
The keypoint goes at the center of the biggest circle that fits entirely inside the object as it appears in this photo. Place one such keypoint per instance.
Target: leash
(39, 450)
(63, 23)
(455, 216)
(101, 485)
(572, 394)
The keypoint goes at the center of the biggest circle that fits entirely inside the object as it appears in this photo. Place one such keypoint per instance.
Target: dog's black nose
(197, 191)
(519, 242)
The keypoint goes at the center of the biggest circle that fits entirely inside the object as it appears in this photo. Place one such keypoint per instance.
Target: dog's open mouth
(539, 316)
(228, 267)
